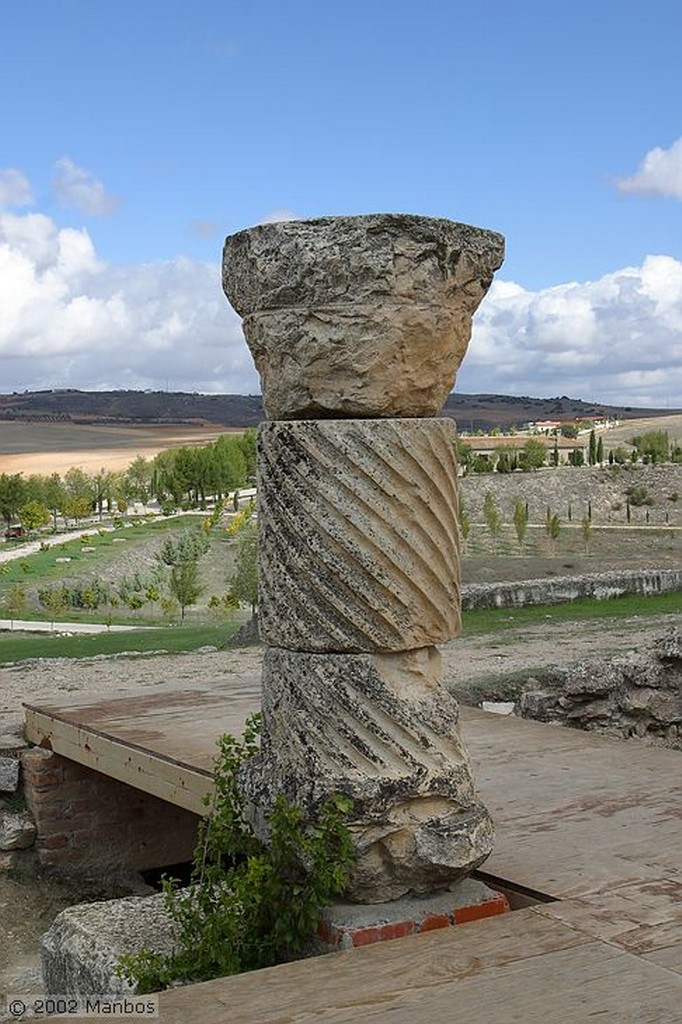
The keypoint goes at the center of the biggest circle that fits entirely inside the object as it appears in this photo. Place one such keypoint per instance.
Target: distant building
(490, 447)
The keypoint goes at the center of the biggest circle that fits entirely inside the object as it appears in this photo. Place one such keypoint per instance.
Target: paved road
(25, 626)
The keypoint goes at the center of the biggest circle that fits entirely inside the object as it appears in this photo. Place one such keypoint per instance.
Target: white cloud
(15, 188)
(275, 216)
(660, 173)
(70, 320)
(77, 187)
(616, 340)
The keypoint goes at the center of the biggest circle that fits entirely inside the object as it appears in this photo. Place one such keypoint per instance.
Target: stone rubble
(17, 831)
(638, 693)
(9, 774)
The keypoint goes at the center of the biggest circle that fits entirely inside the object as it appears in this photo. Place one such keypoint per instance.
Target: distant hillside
(473, 412)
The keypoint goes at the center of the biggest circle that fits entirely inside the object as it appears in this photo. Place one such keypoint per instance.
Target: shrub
(638, 495)
(248, 906)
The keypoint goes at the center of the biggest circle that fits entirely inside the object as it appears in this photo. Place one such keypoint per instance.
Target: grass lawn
(42, 568)
(189, 637)
(171, 639)
(482, 621)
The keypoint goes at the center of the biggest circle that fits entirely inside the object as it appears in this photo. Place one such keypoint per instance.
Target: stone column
(357, 326)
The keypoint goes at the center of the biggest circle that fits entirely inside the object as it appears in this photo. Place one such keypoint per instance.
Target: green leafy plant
(248, 905)
(493, 518)
(638, 495)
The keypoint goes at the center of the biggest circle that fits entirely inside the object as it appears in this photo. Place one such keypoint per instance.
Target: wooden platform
(161, 740)
(594, 824)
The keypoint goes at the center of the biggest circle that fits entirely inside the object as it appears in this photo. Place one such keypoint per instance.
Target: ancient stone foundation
(357, 327)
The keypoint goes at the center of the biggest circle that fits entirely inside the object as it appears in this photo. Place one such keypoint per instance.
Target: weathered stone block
(17, 831)
(358, 316)
(9, 774)
(381, 730)
(81, 949)
(359, 543)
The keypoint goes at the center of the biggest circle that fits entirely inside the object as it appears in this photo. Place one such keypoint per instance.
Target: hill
(162, 408)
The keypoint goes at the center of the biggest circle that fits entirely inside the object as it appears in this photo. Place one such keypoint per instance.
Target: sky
(136, 134)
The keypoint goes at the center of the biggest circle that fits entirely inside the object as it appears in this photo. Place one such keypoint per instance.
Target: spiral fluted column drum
(358, 537)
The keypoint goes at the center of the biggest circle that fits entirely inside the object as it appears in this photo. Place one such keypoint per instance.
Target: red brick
(53, 842)
(364, 936)
(490, 908)
(433, 921)
(397, 930)
(381, 933)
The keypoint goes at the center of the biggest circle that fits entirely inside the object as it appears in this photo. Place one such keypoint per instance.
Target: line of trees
(185, 477)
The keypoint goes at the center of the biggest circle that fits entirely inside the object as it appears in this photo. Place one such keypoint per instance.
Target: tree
(12, 495)
(482, 463)
(102, 488)
(600, 450)
(54, 497)
(33, 515)
(244, 581)
(464, 527)
(493, 519)
(182, 554)
(505, 460)
(185, 584)
(532, 455)
(553, 528)
(576, 457)
(569, 430)
(55, 600)
(79, 494)
(248, 443)
(187, 546)
(520, 521)
(592, 449)
(464, 455)
(587, 532)
(138, 478)
(653, 446)
(15, 602)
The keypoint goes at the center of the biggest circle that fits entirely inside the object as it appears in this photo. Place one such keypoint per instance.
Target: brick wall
(85, 819)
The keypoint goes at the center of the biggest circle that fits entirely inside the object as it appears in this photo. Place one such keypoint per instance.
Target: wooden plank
(163, 741)
(169, 781)
(505, 971)
(639, 918)
(670, 958)
(180, 724)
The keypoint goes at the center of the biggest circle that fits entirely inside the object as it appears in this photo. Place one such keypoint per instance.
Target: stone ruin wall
(635, 694)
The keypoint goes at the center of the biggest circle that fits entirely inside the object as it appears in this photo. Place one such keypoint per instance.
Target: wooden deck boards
(521, 968)
(575, 812)
(594, 823)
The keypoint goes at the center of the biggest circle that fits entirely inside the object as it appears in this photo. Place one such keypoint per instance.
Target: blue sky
(135, 135)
